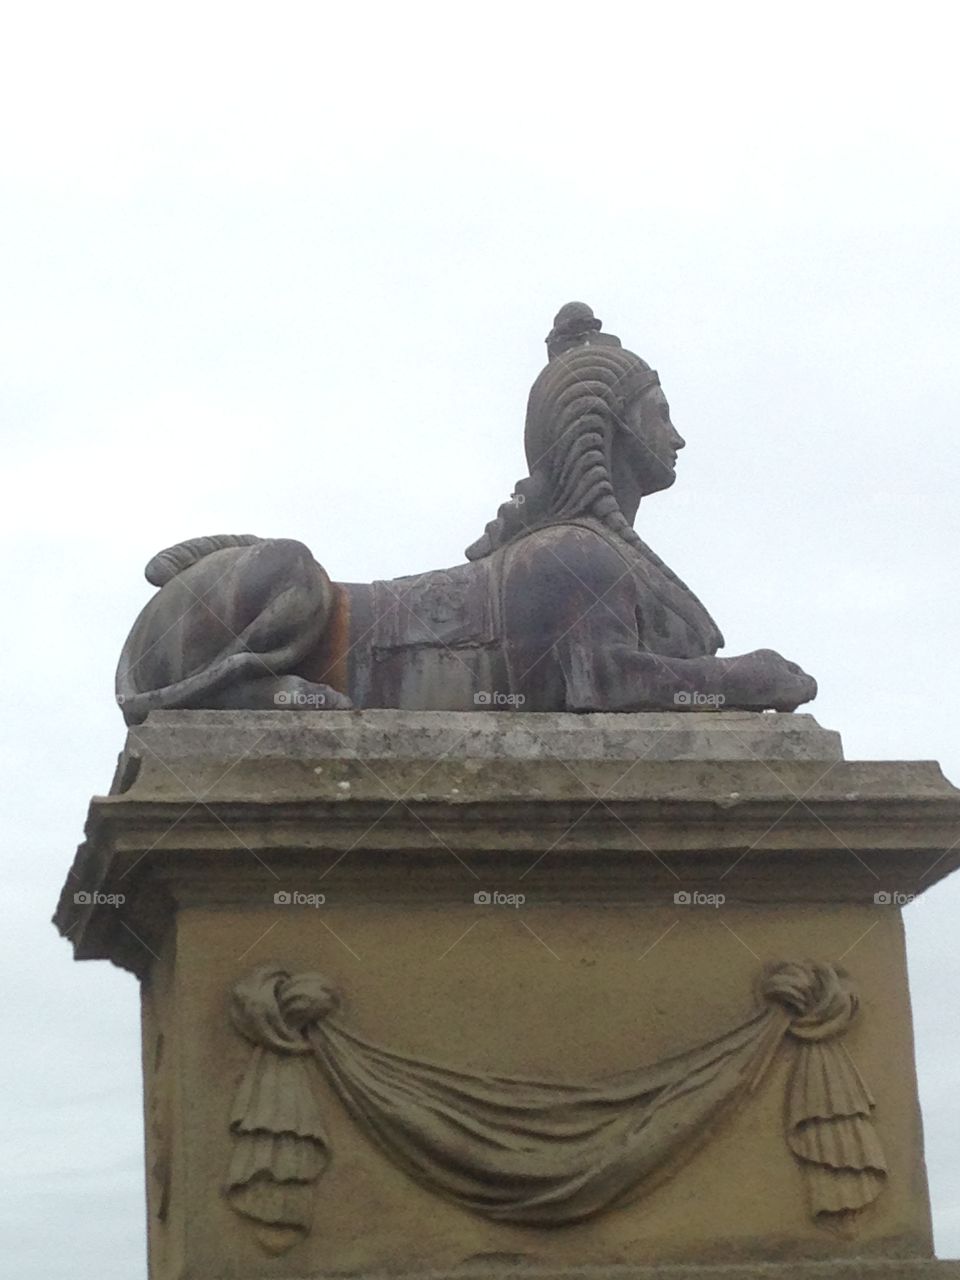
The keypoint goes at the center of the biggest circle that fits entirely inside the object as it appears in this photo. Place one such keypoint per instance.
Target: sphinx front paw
(765, 680)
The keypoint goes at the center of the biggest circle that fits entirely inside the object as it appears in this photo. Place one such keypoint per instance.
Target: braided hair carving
(575, 406)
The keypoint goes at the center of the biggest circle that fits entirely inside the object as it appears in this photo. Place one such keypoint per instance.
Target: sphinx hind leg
(232, 620)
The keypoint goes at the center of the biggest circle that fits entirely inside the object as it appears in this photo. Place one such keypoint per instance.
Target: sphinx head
(598, 435)
(598, 423)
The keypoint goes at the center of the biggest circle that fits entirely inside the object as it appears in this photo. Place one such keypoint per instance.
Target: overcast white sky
(287, 269)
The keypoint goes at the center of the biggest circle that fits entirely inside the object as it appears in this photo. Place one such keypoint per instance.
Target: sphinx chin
(659, 483)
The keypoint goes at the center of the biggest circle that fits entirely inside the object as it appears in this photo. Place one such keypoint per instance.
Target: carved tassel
(829, 1107)
(280, 1146)
(830, 1130)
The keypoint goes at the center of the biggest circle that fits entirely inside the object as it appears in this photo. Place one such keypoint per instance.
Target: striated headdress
(576, 404)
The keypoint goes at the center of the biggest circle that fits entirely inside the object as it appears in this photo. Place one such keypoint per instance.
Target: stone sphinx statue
(559, 607)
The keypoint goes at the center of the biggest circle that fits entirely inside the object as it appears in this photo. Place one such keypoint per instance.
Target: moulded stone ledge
(847, 1269)
(227, 798)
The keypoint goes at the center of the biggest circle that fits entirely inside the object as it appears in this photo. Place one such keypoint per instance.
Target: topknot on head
(575, 325)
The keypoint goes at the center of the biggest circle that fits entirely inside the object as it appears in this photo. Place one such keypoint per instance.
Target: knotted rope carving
(540, 1153)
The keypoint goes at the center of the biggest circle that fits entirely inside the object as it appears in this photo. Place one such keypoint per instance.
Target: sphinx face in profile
(648, 443)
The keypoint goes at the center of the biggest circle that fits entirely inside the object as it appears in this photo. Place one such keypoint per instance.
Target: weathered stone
(654, 893)
(505, 1268)
(561, 606)
(569, 993)
(837, 1269)
(173, 736)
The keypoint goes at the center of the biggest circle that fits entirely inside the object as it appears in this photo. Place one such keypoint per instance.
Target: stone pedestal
(543, 897)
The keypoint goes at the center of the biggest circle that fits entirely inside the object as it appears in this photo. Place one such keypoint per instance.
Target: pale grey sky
(288, 270)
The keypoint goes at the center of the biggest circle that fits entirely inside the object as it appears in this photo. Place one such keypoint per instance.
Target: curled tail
(168, 563)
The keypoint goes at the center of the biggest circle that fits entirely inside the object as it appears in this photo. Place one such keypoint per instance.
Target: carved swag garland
(532, 1152)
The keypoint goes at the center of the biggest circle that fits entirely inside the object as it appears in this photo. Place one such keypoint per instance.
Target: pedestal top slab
(499, 735)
